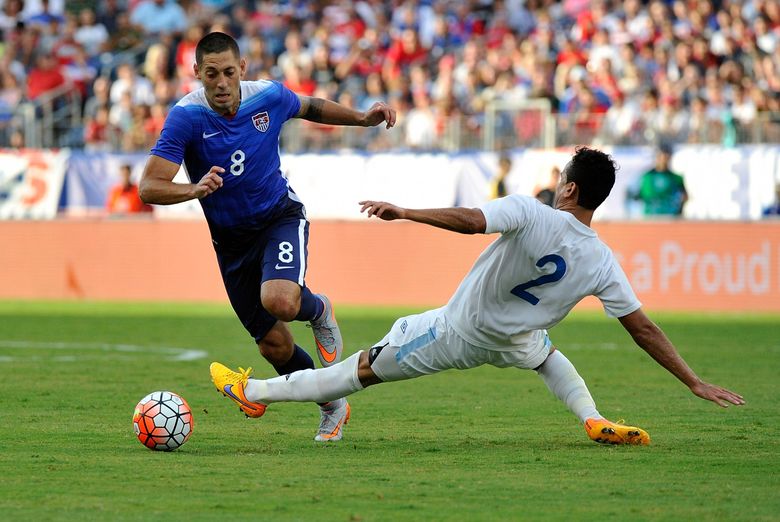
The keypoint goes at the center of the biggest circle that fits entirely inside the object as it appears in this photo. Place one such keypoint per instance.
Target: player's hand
(382, 210)
(209, 183)
(720, 396)
(378, 113)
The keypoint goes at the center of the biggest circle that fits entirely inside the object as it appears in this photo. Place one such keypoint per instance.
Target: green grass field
(485, 444)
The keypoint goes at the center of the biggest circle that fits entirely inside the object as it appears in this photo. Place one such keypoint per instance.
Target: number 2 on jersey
(560, 271)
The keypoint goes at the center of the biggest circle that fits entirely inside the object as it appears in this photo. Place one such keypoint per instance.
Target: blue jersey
(246, 146)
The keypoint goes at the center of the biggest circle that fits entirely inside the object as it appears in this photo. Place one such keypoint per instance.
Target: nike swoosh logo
(278, 267)
(229, 390)
(327, 356)
(207, 136)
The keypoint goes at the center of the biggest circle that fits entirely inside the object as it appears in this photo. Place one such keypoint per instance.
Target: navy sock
(311, 306)
(300, 360)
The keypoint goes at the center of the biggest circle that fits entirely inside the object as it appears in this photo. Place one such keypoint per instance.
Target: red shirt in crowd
(42, 80)
(124, 199)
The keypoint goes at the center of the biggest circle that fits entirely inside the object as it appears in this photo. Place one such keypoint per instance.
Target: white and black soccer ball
(162, 421)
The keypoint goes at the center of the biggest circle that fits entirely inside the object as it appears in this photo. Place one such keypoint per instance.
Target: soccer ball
(162, 421)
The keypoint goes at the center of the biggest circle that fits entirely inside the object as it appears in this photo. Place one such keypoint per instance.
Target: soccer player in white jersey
(542, 264)
(227, 136)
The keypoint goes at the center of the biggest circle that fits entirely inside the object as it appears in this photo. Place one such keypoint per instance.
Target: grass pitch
(484, 444)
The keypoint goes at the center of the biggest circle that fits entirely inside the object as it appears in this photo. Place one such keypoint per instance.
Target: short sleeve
(175, 136)
(615, 293)
(509, 213)
(289, 99)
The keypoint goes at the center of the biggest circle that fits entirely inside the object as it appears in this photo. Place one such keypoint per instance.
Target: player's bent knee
(282, 307)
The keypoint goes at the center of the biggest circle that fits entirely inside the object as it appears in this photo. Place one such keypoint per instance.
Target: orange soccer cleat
(231, 384)
(608, 432)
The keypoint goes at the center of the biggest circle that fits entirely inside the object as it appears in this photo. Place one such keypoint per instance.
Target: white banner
(722, 183)
(330, 185)
(31, 183)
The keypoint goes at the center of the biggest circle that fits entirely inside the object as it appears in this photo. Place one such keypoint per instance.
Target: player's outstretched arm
(157, 186)
(653, 340)
(457, 219)
(332, 113)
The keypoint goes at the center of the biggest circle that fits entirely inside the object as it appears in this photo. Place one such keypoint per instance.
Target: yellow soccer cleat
(231, 384)
(608, 432)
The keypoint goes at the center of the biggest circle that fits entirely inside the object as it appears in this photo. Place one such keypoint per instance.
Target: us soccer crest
(261, 121)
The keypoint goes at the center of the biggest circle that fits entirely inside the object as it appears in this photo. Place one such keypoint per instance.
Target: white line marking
(171, 353)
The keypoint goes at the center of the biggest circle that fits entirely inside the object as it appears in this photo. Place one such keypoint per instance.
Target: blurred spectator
(129, 81)
(620, 123)
(165, 92)
(79, 72)
(123, 198)
(124, 35)
(16, 140)
(498, 188)
(743, 108)
(402, 54)
(41, 14)
(185, 59)
(66, 47)
(99, 97)
(159, 16)
(672, 122)
(153, 125)
(258, 60)
(121, 114)
(10, 96)
(98, 131)
(774, 208)
(546, 194)
(108, 14)
(136, 137)
(701, 72)
(158, 59)
(364, 58)
(11, 15)
(662, 191)
(420, 124)
(10, 92)
(295, 54)
(698, 122)
(299, 80)
(44, 77)
(91, 34)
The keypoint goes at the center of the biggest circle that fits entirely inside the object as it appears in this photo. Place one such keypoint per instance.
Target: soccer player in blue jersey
(227, 136)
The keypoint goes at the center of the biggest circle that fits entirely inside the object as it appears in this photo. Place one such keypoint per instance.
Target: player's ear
(242, 67)
(196, 69)
(570, 190)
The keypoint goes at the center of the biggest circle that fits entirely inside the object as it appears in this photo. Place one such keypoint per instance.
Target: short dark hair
(594, 173)
(215, 42)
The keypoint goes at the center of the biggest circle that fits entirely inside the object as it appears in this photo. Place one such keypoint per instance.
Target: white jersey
(530, 278)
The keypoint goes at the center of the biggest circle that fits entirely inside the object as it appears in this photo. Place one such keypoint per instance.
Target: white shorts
(424, 344)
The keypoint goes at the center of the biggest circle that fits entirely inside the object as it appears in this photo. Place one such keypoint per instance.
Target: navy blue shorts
(250, 255)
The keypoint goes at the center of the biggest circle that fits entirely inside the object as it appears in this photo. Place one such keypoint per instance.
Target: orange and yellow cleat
(608, 432)
(231, 384)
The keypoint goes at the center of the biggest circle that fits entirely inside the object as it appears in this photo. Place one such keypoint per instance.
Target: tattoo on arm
(314, 110)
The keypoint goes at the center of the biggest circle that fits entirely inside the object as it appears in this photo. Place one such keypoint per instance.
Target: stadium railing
(50, 120)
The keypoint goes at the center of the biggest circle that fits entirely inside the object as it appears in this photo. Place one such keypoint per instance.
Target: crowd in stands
(622, 72)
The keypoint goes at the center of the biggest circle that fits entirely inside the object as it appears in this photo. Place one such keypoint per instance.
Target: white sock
(321, 385)
(564, 382)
